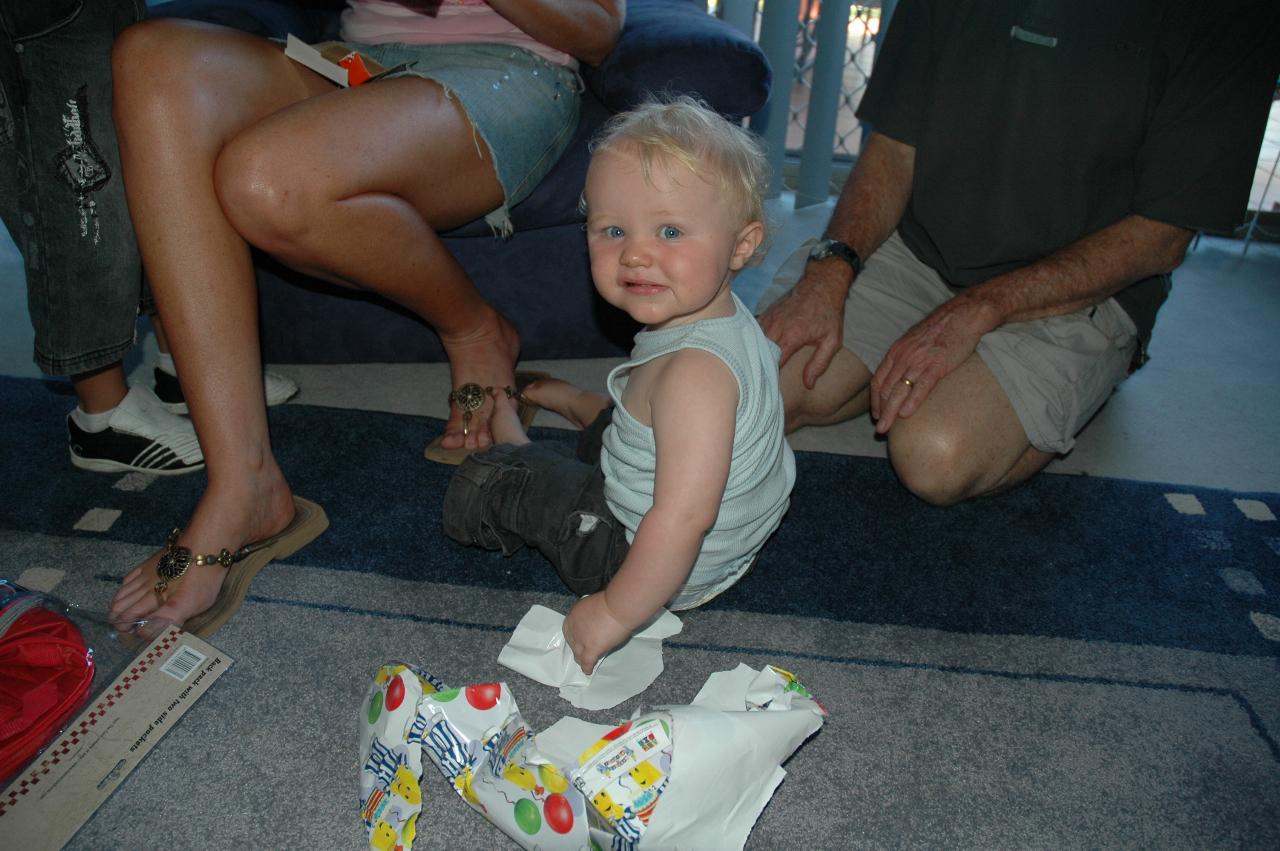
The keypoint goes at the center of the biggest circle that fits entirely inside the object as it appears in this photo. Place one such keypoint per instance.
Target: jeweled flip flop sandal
(470, 398)
(309, 520)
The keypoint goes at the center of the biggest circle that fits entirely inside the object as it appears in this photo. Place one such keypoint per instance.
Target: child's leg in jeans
(535, 495)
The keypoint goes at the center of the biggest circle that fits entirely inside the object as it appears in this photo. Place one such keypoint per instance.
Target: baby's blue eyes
(665, 232)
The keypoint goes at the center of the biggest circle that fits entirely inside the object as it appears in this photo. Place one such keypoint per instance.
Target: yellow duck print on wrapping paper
(386, 672)
(382, 837)
(645, 774)
(522, 777)
(463, 784)
(406, 786)
(551, 777)
(607, 807)
(410, 830)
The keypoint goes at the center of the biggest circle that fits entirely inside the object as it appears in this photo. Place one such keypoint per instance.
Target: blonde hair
(681, 129)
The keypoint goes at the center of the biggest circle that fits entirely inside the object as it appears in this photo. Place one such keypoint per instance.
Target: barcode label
(182, 663)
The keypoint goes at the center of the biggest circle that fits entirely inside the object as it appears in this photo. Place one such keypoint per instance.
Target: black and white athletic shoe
(279, 390)
(141, 436)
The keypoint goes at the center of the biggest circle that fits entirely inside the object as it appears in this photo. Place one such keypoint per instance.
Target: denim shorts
(523, 107)
(1056, 372)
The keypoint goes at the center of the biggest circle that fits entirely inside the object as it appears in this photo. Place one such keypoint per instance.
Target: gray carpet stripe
(935, 739)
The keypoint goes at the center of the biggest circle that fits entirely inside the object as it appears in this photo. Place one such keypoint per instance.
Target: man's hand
(1073, 278)
(591, 631)
(926, 354)
(869, 208)
(811, 314)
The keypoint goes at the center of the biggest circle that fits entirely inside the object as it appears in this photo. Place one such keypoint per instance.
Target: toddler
(682, 472)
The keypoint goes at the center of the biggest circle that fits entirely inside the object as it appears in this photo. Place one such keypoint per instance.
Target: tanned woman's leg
(182, 91)
(387, 166)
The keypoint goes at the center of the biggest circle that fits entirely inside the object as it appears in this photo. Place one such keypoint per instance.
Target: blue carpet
(1076, 664)
(1065, 556)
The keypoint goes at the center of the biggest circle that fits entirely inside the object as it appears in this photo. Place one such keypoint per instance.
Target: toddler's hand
(591, 631)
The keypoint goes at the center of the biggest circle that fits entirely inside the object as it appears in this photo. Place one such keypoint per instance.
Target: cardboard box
(52, 798)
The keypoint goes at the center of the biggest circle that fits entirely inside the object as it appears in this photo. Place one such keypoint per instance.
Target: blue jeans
(61, 193)
(537, 495)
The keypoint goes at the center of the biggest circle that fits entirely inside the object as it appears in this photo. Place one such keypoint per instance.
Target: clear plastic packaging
(55, 658)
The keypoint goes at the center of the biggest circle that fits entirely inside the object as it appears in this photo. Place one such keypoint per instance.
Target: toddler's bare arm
(692, 403)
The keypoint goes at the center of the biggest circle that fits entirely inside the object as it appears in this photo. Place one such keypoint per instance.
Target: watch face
(834, 248)
(821, 250)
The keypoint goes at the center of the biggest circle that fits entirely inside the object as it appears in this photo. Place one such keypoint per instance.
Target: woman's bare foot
(487, 357)
(226, 517)
(580, 407)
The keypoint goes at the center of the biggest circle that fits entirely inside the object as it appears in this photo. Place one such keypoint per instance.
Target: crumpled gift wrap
(693, 777)
(391, 755)
(744, 687)
(479, 741)
(538, 650)
(717, 762)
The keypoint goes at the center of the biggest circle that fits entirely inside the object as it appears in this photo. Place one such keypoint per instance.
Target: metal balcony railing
(821, 52)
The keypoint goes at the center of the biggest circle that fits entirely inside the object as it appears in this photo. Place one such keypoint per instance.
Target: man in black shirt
(1036, 170)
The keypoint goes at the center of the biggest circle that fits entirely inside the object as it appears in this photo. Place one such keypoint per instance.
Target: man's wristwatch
(834, 248)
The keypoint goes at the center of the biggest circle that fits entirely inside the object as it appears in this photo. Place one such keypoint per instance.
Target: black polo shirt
(1038, 122)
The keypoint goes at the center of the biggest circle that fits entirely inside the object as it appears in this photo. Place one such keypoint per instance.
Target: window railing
(821, 52)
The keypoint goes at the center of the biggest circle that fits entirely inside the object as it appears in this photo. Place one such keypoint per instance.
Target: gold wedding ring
(908, 382)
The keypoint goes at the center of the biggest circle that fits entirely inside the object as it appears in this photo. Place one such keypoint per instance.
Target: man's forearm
(874, 198)
(1084, 273)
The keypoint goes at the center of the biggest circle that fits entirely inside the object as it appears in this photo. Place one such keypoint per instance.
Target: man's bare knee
(839, 394)
(931, 463)
(943, 465)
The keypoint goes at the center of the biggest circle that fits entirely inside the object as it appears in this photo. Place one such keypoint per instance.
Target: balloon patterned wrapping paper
(658, 780)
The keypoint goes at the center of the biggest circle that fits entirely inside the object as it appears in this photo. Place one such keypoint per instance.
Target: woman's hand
(584, 29)
(591, 631)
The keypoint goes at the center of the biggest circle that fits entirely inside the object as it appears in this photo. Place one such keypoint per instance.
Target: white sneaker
(141, 436)
(279, 390)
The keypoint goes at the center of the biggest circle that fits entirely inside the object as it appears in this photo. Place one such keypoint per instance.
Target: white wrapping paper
(538, 650)
(727, 752)
(694, 777)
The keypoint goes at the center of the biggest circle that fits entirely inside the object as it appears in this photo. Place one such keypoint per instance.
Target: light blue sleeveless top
(762, 469)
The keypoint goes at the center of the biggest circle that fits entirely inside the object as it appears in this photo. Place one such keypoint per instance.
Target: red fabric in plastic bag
(45, 674)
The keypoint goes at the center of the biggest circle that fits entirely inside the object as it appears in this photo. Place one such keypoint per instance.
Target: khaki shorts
(1056, 372)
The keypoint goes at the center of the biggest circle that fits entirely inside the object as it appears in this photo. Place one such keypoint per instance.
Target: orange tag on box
(357, 73)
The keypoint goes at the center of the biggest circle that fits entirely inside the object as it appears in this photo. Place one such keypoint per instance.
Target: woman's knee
(179, 89)
(262, 195)
(153, 73)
